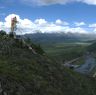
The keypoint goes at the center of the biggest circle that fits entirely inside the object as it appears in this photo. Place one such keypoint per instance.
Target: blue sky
(77, 13)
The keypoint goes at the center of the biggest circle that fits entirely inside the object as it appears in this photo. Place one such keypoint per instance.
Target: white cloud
(27, 26)
(92, 2)
(95, 30)
(78, 30)
(50, 2)
(45, 2)
(93, 25)
(79, 23)
(24, 24)
(60, 29)
(1, 23)
(41, 22)
(60, 22)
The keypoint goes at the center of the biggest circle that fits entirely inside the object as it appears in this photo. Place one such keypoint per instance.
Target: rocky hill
(24, 73)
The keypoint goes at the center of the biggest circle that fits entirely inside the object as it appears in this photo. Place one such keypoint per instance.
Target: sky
(49, 16)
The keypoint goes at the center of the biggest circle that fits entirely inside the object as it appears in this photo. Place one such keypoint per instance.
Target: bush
(2, 32)
(39, 49)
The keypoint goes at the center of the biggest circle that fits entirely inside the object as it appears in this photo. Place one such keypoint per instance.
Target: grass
(65, 51)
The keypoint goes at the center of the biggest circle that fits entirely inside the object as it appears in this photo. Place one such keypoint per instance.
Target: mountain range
(44, 38)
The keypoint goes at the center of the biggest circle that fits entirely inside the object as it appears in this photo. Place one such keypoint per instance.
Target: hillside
(92, 47)
(24, 73)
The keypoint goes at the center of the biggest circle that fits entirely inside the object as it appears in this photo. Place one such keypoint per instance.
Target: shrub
(2, 32)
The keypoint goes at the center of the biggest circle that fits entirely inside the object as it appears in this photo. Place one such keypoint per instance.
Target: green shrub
(2, 32)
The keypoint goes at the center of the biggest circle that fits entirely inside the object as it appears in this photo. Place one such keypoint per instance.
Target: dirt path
(68, 64)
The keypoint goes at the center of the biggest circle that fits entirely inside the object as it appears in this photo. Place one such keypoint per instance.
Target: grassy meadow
(65, 51)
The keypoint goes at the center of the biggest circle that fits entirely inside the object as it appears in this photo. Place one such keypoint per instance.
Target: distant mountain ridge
(59, 37)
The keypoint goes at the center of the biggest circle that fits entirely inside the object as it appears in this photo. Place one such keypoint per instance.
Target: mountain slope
(92, 47)
(24, 73)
